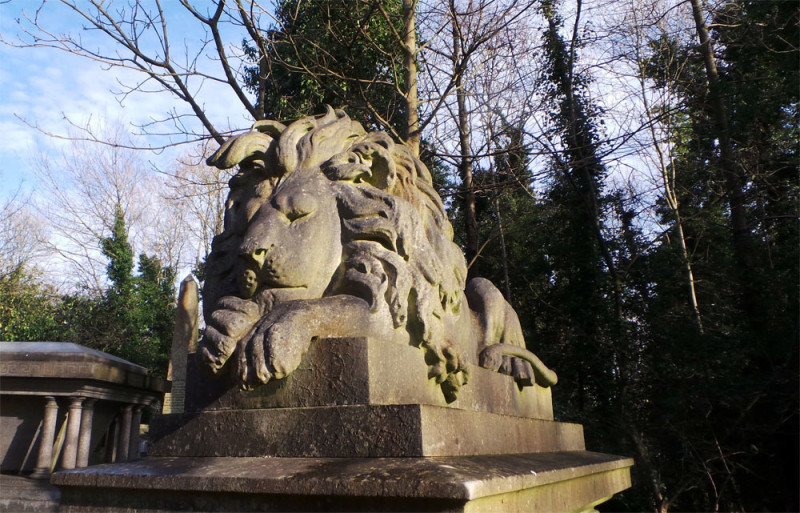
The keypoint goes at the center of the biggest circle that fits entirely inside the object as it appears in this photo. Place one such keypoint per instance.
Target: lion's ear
(383, 172)
(375, 151)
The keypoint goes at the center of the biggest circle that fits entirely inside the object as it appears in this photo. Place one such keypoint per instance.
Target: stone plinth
(23, 495)
(350, 371)
(357, 397)
(561, 481)
(360, 431)
(358, 427)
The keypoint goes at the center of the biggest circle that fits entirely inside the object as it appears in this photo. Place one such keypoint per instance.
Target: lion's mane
(397, 239)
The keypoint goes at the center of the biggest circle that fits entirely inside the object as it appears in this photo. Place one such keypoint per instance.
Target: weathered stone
(358, 432)
(331, 231)
(184, 341)
(22, 495)
(367, 371)
(36, 376)
(551, 482)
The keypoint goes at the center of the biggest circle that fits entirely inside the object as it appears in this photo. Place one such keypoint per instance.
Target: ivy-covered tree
(585, 287)
(726, 430)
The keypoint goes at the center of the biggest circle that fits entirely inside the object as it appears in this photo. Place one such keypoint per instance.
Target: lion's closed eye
(295, 215)
(296, 206)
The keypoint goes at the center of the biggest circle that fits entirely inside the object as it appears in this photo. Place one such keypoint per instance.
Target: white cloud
(47, 87)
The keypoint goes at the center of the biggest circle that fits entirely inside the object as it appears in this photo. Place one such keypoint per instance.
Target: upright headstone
(184, 341)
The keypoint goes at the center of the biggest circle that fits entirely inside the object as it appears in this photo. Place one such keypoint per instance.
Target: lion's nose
(257, 256)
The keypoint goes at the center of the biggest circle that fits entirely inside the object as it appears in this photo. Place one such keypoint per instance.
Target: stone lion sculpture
(331, 231)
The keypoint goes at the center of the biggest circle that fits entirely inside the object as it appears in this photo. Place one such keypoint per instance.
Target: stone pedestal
(347, 371)
(358, 427)
(549, 482)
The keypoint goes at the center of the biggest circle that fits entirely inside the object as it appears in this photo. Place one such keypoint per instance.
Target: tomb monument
(347, 364)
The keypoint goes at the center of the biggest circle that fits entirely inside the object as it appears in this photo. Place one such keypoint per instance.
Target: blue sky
(44, 86)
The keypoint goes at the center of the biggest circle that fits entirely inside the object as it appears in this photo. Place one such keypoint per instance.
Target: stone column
(112, 441)
(45, 456)
(124, 442)
(136, 420)
(85, 440)
(70, 455)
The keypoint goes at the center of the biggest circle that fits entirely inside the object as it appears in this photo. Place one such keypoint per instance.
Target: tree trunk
(661, 502)
(467, 192)
(687, 265)
(734, 188)
(503, 251)
(411, 130)
(742, 240)
(668, 182)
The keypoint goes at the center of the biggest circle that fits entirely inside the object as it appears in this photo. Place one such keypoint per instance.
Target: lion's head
(321, 207)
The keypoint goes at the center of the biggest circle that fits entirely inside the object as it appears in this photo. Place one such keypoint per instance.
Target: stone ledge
(561, 481)
(27, 387)
(358, 431)
(65, 361)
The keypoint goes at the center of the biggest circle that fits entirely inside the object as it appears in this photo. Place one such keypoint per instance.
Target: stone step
(23, 495)
(553, 482)
(358, 431)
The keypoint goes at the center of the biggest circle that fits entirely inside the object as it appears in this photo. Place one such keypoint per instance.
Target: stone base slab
(25, 495)
(347, 371)
(552, 482)
(358, 431)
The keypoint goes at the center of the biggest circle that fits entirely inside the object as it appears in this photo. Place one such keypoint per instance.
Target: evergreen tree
(137, 311)
(27, 308)
(119, 302)
(727, 429)
(134, 319)
(336, 52)
(155, 292)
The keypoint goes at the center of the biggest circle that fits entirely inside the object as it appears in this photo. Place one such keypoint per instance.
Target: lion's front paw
(215, 349)
(228, 323)
(275, 349)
